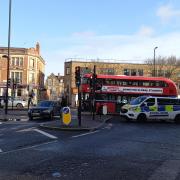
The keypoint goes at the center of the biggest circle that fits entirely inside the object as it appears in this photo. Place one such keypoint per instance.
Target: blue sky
(98, 29)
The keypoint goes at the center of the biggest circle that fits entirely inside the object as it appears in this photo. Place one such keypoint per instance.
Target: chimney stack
(38, 48)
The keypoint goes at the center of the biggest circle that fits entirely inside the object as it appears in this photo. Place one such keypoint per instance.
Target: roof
(128, 77)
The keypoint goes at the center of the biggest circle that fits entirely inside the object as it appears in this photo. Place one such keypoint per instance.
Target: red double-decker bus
(116, 90)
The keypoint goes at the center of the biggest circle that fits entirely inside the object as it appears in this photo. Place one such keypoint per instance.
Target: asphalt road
(120, 150)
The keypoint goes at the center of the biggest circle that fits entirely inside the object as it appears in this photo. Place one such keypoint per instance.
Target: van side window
(150, 102)
(166, 101)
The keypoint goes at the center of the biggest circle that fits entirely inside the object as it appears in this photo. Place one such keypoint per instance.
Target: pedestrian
(29, 101)
(63, 102)
(31, 96)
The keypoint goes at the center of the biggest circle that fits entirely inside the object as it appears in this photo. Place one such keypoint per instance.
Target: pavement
(87, 123)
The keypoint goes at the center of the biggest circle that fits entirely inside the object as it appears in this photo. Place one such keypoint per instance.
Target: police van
(150, 107)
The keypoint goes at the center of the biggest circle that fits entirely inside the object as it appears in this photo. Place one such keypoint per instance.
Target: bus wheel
(141, 118)
(177, 118)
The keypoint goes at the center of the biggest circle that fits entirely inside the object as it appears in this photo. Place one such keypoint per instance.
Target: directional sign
(66, 110)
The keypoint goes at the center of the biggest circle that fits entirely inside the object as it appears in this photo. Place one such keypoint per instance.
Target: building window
(19, 92)
(140, 72)
(16, 76)
(133, 72)
(126, 72)
(49, 82)
(67, 70)
(16, 61)
(31, 78)
(32, 63)
(160, 73)
(107, 71)
(167, 73)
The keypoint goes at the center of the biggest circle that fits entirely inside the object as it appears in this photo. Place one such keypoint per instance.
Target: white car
(18, 103)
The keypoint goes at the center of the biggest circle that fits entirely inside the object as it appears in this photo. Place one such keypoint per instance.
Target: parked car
(45, 109)
(18, 103)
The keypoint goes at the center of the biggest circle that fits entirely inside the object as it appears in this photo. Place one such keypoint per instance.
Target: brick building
(55, 86)
(110, 67)
(26, 68)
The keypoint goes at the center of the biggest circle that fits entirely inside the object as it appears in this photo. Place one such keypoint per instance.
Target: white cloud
(167, 12)
(132, 48)
(146, 31)
(84, 34)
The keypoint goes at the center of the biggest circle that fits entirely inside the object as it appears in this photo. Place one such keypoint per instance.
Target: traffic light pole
(94, 99)
(79, 107)
(78, 84)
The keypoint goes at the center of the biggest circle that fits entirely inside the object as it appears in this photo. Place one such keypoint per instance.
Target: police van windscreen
(138, 100)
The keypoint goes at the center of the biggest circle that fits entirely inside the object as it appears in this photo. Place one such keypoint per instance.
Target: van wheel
(141, 118)
(177, 118)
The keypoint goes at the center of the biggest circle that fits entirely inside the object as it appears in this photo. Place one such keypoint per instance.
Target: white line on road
(85, 134)
(29, 147)
(46, 134)
(169, 170)
(25, 130)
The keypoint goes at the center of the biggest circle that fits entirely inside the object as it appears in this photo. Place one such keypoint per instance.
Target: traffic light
(9, 82)
(78, 75)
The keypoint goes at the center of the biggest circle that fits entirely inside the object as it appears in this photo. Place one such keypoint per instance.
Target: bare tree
(165, 66)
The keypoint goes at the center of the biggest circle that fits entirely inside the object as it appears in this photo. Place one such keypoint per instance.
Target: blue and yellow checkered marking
(167, 108)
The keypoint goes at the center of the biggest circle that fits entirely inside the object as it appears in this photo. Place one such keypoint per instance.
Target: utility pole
(8, 57)
(154, 74)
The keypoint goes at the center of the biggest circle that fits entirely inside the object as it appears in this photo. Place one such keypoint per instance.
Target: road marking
(109, 126)
(25, 130)
(46, 134)
(29, 147)
(169, 170)
(85, 134)
(1, 150)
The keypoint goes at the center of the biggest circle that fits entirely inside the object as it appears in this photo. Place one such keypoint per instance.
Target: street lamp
(154, 74)
(8, 57)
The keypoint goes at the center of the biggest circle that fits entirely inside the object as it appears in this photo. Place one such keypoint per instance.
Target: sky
(127, 31)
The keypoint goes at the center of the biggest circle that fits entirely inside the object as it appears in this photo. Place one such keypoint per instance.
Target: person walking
(31, 96)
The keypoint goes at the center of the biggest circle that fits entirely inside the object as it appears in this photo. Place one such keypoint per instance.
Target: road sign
(66, 115)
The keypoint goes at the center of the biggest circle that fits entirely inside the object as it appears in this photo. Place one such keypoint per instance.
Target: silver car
(18, 103)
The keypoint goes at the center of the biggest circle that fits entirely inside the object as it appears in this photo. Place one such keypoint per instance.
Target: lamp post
(154, 73)
(8, 57)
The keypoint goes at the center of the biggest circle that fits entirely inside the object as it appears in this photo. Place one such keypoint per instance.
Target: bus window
(140, 83)
(124, 83)
(146, 83)
(101, 97)
(111, 97)
(152, 83)
(85, 80)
